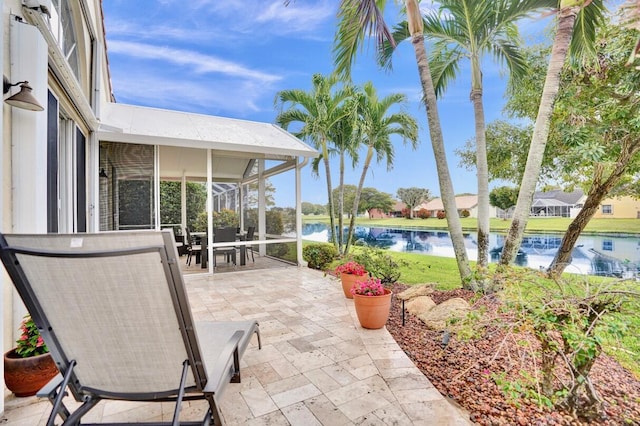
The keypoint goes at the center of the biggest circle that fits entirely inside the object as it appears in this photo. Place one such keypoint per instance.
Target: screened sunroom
(167, 169)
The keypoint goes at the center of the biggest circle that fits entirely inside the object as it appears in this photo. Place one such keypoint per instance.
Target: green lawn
(535, 224)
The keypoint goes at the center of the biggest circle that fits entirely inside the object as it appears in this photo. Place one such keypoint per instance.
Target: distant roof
(557, 197)
(462, 202)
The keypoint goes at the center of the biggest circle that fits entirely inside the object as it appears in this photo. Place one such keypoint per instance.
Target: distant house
(396, 211)
(620, 208)
(557, 203)
(463, 202)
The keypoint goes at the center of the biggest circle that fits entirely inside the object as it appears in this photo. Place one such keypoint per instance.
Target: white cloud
(201, 63)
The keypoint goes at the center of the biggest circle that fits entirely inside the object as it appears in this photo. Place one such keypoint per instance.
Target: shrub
(441, 214)
(465, 213)
(406, 213)
(319, 255)
(380, 264)
(424, 214)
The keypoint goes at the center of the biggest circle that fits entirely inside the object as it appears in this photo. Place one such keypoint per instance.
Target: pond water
(593, 254)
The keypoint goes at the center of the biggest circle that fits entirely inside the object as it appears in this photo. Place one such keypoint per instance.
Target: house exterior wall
(619, 208)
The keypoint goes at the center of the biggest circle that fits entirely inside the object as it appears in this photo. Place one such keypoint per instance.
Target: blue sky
(231, 57)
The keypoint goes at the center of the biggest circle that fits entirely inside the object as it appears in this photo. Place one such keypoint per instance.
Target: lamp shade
(24, 99)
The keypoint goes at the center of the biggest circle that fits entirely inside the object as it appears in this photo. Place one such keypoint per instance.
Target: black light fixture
(103, 174)
(23, 99)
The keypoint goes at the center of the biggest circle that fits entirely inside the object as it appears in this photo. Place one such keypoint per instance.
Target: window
(607, 209)
(607, 245)
(63, 30)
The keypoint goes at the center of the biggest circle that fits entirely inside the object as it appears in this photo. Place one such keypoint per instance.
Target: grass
(535, 224)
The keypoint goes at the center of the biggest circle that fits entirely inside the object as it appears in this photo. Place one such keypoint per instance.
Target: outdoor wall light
(23, 99)
(103, 174)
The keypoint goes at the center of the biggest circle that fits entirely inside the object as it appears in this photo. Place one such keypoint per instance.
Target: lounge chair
(114, 313)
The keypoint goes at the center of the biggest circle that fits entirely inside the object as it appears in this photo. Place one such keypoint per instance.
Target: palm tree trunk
(356, 199)
(332, 220)
(341, 205)
(437, 142)
(481, 166)
(566, 20)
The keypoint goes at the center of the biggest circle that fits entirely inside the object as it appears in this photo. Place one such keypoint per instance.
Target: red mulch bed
(464, 371)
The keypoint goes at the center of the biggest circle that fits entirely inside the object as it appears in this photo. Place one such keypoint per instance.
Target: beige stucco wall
(622, 208)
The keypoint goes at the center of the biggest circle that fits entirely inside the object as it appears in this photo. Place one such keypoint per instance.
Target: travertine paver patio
(317, 365)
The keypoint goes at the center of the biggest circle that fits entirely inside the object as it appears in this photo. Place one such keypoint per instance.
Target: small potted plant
(349, 273)
(372, 302)
(28, 366)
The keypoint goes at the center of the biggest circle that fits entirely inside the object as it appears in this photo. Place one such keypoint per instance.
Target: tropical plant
(30, 342)
(379, 263)
(376, 126)
(318, 112)
(357, 20)
(573, 16)
(470, 29)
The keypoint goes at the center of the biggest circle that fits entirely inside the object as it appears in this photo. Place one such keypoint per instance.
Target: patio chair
(192, 247)
(113, 310)
(225, 235)
(250, 232)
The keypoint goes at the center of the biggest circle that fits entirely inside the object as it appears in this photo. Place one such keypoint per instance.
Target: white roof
(182, 136)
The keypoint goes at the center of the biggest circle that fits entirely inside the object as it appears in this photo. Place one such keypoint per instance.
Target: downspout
(299, 211)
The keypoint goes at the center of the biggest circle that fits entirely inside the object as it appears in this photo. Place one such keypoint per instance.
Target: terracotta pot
(26, 376)
(373, 311)
(348, 280)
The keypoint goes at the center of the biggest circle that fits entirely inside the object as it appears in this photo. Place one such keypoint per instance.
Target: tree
(470, 29)
(346, 142)
(357, 20)
(507, 145)
(307, 208)
(503, 197)
(348, 193)
(171, 202)
(588, 13)
(376, 126)
(371, 198)
(412, 197)
(317, 111)
(597, 118)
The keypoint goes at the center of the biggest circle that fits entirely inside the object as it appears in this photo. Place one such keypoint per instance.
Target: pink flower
(369, 287)
(351, 267)
(40, 342)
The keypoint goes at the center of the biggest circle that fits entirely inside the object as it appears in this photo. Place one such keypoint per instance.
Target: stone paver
(317, 365)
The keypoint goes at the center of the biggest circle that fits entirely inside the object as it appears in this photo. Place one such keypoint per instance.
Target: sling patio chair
(113, 310)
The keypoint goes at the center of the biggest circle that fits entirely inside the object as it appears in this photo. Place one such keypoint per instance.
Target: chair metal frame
(205, 387)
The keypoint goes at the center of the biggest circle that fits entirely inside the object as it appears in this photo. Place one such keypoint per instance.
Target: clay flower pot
(26, 376)
(348, 280)
(373, 311)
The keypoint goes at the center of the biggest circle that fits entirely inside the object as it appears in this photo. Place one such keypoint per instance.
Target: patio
(317, 365)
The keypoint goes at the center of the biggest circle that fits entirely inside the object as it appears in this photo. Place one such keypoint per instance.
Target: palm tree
(317, 111)
(358, 19)
(346, 142)
(588, 13)
(376, 125)
(469, 29)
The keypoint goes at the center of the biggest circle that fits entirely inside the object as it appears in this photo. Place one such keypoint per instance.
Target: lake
(594, 254)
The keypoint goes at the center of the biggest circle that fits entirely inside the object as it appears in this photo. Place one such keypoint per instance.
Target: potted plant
(372, 302)
(349, 273)
(28, 366)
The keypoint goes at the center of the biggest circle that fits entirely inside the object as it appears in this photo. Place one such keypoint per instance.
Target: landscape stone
(436, 318)
(419, 305)
(416, 290)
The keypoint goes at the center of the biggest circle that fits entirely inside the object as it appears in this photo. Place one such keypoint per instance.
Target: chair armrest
(50, 388)
(220, 374)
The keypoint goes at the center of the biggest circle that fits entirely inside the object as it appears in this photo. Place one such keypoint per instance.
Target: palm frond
(584, 31)
(358, 19)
